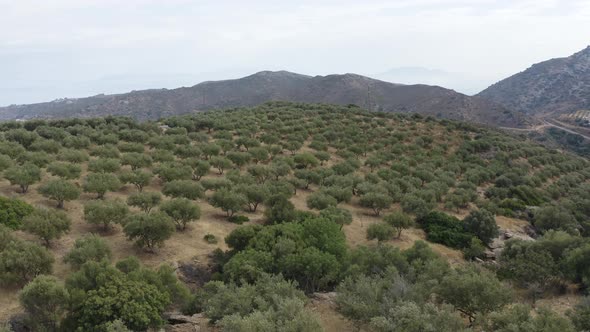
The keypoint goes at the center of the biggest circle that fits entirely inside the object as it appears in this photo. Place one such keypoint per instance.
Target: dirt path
(545, 125)
(565, 129)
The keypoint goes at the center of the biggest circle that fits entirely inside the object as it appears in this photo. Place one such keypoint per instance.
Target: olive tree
(184, 188)
(88, 248)
(45, 300)
(199, 167)
(173, 171)
(376, 201)
(138, 178)
(239, 158)
(337, 215)
(210, 150)
(482, 224)
(320, 201)
(149, 230)
(60, 190)
(146, 201)
(305, 160)
(473, 291)
(260, 172)
(228, 201)
(106, 212)
(518, 317)
(23, 176)
(254, 194)
(259, 154)
(221, 163)
(181, 210)
(21, 261)
(399, 221)
(380, 231)
(65, 170)
(100, 183)
(279, 209)
(136, 160)
(104, 165)
(47, 224)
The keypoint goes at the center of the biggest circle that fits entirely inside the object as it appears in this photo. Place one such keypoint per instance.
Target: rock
(329, 297)
(175, 318)
(530, 231)
(508, 235)
(498, 251)
(18, 323)
(496, 243)
(489, 255)
(194, 273)
(324, 297)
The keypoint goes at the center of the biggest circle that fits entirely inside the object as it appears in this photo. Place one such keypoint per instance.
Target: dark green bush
(12, 212)
(445, 229)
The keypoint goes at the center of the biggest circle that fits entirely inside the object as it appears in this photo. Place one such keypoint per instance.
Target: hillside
(289, 217)
(277, 86)
(548, 89)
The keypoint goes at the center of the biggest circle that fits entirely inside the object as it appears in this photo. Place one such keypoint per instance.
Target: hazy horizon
(67, 48)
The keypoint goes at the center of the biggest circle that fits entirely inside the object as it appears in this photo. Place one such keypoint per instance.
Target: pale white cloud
(67, 47)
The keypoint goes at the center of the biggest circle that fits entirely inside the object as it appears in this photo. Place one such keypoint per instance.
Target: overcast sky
(70, 48)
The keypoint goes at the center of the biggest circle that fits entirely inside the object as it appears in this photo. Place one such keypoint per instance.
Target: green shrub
(380, 231)
(88, 248)
(476, 249)
(12, 212)
(210, 238)
(445, 229)
(238, 219)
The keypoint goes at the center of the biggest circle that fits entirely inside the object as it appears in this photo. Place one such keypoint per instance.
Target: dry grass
(183, 246)
(511, 224)
(330, 319)
(189, 245)
(560, 303)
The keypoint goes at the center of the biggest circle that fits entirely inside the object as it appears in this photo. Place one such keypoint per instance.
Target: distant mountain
(465, 83)
(549, 88)
(284, 86)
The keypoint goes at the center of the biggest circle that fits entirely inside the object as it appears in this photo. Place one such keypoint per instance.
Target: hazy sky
(69, 48)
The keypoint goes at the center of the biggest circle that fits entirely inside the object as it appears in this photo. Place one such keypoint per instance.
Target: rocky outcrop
(177, 322)
(495, 248)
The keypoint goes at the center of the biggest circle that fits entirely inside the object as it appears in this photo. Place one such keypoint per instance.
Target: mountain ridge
(283, 85)
(548, 88)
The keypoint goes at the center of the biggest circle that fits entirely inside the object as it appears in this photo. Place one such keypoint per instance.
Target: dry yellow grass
(183, 246)
(190, 246)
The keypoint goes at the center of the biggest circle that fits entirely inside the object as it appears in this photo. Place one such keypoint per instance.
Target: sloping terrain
(300, 202)
(277, 86)
(550, 88)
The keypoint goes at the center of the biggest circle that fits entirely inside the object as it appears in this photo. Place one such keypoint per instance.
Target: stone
(175, 318)
(489, 255)
(324, 297)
